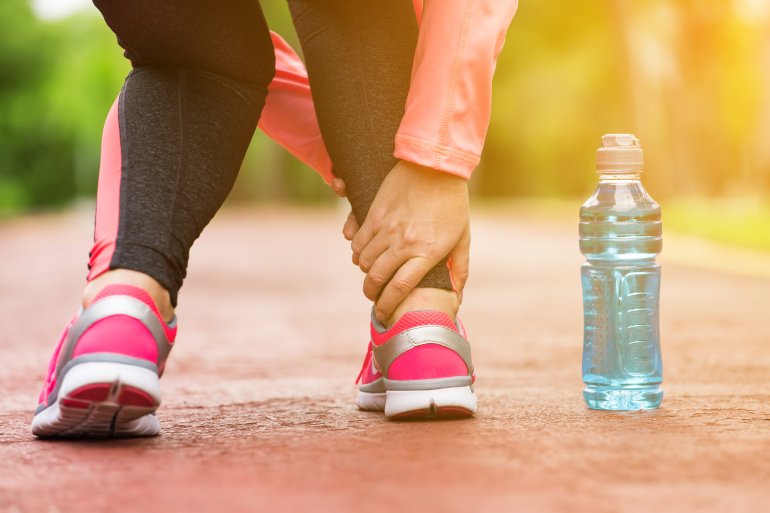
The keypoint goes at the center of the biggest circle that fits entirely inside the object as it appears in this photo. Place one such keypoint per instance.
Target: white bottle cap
(619, 153)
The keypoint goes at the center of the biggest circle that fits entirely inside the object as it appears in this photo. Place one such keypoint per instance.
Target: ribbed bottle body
(620, 235)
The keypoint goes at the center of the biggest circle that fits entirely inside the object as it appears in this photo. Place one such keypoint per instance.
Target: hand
(351, 225)
(419, 216)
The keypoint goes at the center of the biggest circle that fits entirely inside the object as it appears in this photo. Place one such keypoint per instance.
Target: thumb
(351, 227)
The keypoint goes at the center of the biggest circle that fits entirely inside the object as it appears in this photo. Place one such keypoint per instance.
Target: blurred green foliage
(57, 81)
(741, 222)
(552, 101)
(690, 78)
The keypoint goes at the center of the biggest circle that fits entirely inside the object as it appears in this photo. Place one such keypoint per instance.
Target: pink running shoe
(419, 368)
(103, 377)
(371, 388)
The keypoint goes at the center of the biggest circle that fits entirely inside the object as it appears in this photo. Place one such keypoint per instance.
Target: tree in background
(690, 78)
(57, 81)
(28, 137)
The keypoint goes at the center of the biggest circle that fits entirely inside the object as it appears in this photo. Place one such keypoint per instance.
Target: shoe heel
(430, 403)
(371, 401)
(102, 399)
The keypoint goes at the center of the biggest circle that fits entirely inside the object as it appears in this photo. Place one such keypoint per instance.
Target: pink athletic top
(448, 107)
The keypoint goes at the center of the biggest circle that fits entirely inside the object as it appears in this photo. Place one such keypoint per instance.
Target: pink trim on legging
(288, 117)
(107, 196)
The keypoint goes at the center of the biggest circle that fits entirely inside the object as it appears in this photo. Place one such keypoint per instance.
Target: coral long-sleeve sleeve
(448, 108)
(289, 116)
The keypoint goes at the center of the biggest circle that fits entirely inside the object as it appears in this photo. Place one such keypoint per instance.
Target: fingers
(338, 186)
(362, 238)
(380, 272)
(403, 282)
(351, 227)
(459, 263)
(374, 251)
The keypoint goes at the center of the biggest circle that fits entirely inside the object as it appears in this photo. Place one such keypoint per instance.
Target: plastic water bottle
(620, 235)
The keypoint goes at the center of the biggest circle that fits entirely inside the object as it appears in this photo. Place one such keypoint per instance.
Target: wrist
(430, 175)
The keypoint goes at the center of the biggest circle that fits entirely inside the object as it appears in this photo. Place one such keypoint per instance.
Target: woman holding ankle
(395, 122)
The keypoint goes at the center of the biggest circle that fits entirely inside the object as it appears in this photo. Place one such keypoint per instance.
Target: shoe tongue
(128, 290)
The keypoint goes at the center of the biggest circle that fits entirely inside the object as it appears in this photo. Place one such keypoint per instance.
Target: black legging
(190, 106)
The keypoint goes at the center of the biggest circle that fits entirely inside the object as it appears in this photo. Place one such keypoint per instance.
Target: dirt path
(258, 412)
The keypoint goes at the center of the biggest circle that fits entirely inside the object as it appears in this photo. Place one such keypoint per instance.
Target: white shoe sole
(436, 403)
(371, 401)
(102, 399)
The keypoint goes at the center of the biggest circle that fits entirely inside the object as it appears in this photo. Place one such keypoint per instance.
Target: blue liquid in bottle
(620, 235)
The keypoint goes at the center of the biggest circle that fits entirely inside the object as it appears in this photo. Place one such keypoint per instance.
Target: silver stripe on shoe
(101, 309)
(375, 387)
(387, 353)
(115, 305)
(428, 384)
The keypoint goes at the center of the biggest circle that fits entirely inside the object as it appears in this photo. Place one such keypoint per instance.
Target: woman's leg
(359, 59)
(173, 143)
(179, 131)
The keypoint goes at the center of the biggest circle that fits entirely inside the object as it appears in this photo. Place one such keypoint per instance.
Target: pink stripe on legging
(107, 196)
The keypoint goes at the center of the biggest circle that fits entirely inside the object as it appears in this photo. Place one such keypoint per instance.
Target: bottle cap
(619, 153)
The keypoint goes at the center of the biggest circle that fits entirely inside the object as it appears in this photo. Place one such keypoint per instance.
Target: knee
(232, 43)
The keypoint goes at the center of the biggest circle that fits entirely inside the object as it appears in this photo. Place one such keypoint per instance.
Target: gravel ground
(259, 412)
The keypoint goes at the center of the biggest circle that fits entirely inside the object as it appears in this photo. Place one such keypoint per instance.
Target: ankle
(427, 299)
(157, 292)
